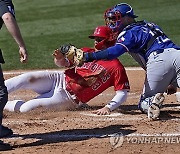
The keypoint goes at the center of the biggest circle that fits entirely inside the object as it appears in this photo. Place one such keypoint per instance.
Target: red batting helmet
(103, 36)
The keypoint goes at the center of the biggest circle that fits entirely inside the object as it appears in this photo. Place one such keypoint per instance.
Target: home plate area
(125, 130)
(52, 129)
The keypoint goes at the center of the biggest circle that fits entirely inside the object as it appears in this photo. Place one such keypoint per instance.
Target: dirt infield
(80, 132)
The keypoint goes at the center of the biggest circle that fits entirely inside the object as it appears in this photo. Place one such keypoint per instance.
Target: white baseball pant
(162, 70)
(50, 85)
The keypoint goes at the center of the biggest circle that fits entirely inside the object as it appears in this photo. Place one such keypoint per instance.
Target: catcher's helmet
(103, 37)
(113, 16)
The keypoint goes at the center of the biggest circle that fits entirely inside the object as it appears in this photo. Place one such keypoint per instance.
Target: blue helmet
(114, 15)
(125, 10)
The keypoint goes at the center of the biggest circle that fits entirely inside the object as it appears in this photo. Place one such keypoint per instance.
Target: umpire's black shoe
(5, 146)
(5, 131)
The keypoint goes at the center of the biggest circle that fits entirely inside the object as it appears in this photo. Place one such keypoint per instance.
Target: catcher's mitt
(73, 54)
(79, 57)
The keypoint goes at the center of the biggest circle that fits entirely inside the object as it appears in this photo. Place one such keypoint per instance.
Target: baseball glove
(72, 54)
(79, 57)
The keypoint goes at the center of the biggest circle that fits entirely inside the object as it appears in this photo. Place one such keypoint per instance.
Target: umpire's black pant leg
(3, 94)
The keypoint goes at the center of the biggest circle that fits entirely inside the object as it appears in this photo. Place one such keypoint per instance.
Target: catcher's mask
(113, 16)
(103, 37)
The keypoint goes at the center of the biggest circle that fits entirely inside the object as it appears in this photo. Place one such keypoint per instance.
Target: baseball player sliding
(149, 46)
(66, 89)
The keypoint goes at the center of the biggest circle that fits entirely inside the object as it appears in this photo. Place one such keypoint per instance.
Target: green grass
(47, 24)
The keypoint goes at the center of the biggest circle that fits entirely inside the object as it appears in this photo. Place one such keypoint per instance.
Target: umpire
(7, 15)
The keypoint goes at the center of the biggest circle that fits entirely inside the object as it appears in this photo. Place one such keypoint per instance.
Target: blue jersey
(135, 39)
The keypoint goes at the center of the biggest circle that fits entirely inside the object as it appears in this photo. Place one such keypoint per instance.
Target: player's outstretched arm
(103, 111)
(118, 99)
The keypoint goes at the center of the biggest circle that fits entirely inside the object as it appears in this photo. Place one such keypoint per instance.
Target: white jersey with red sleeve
(93, 78)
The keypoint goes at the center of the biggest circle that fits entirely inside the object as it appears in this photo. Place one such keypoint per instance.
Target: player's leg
(20, 105)
(58, 101)
(4, 131)
(176, 82)
(160, 74)
(162, 70)
(38, 81)
(13, 105)
(57, 97)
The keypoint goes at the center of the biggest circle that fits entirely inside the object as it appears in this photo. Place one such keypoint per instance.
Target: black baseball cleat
(5, 131)
(5, 146)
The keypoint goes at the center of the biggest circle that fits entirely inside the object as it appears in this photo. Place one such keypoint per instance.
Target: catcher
(148, 44)
(75, 85)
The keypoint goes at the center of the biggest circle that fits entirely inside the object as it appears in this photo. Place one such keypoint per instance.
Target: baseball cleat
(154, 108)
(5, 131)
(14, 105)
(5, 146)
(158, 99)
(153, 111)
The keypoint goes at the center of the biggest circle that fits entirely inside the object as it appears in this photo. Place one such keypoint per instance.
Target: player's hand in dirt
(102, 111)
